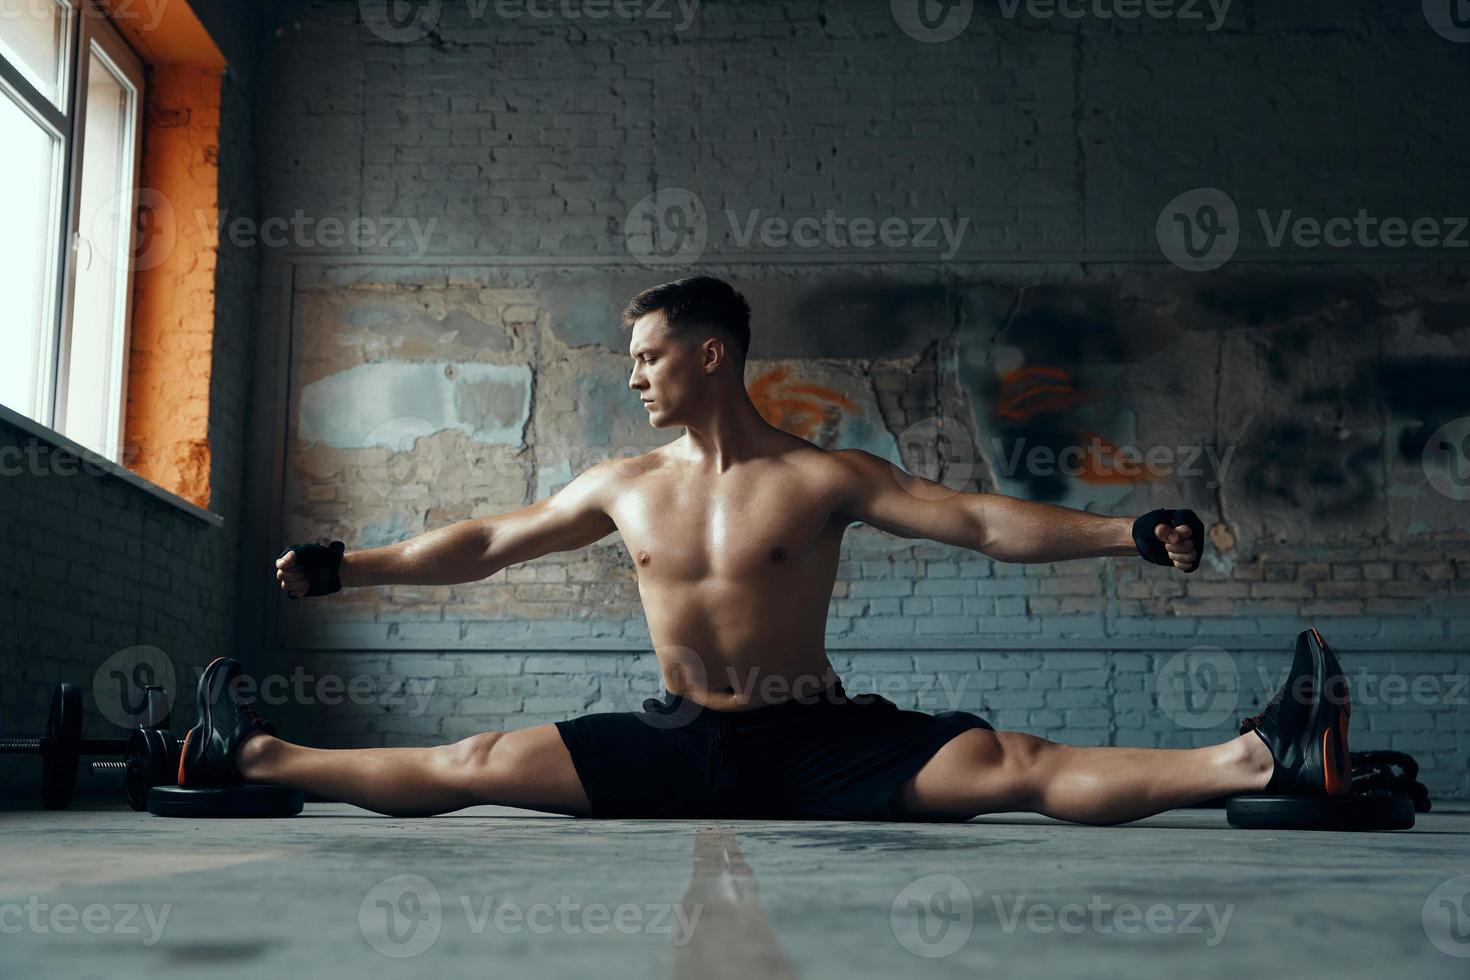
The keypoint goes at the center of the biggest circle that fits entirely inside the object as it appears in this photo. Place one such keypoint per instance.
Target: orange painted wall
(167, 429)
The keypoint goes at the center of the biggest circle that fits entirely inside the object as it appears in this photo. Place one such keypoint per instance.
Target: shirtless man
(735, 529)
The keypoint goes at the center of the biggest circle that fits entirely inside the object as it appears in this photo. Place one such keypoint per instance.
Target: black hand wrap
(320, 563)
(1154, 550)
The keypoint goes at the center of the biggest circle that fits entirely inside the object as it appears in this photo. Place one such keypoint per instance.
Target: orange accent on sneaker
(1338, 777)
(184, 754)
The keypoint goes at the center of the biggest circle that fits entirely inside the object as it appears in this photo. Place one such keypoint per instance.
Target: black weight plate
(1320, 812)
(153, 760)
(250, 800)
(61, 751)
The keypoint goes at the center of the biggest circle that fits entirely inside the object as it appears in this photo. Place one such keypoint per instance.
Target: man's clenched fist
(1171, 537)
(310, 569)
(290, 575)
(1179, 546)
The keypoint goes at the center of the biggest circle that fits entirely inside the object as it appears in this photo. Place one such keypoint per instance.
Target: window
(71, 98)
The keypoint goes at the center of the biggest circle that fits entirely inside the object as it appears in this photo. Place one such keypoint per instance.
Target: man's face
(666, 371)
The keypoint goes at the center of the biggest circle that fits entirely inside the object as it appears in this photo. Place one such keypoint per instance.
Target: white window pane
(30, 173)
(93, 389)
(33, 38)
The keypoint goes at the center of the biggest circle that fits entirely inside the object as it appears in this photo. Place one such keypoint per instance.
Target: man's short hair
(694, 304)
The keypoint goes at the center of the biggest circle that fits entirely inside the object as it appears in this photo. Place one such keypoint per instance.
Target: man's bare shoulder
(838, 474)
(847, 463)
(598, 486)
(621, 470)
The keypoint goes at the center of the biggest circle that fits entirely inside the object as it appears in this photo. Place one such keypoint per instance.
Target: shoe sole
(1337, 766)
(202, 696)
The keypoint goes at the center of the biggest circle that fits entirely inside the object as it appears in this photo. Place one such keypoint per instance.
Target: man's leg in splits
(1299, 745)
(529, 768)
(976, 772)
(988, 772)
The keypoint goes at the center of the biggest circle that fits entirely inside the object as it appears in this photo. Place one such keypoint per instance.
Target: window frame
(95, 30)
(86, 26)
(57, 122)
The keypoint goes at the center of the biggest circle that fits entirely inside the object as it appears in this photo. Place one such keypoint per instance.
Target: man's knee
(1018, 774)
(1020, 751)
(477, 754)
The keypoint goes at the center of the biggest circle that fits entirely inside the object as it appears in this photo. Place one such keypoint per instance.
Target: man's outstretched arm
(876, 492)
(468, 551)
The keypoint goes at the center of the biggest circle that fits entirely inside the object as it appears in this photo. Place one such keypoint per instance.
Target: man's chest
(733, 527)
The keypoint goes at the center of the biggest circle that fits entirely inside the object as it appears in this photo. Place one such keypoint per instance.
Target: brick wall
(93, 565)
(526, 150)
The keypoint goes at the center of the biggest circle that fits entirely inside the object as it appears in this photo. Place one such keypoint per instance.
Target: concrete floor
(494, 892)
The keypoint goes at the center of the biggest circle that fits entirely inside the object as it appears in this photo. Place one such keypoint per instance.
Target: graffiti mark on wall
(1031, 391)
(1033, 409)
(811, 411)
(1311, 468)
(1431, 391)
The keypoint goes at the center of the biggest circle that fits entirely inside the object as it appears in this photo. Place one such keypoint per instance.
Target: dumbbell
(62, 747)
(152, 760)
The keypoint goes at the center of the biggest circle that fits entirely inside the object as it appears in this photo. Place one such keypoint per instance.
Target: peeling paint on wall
(393, 445)
(376, 404)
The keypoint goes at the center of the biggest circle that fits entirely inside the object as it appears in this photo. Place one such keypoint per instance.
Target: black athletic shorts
(830, 757)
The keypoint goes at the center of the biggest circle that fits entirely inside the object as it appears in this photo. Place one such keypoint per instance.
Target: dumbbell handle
(10, 746)
(87, 746)
(106, 765)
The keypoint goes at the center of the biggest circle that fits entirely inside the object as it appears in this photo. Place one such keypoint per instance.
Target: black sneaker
(208, 755)
(1305, 724)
